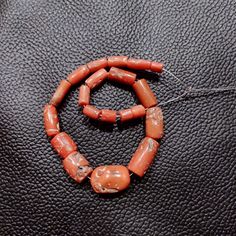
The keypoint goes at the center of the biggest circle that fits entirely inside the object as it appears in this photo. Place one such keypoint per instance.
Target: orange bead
(108, 116)
(138, 64)
(78, 75)
(51, 121)
(92, 112)
(63, 144)
(154, 123)
(97, 64)
(157, 67)
(125, 115)
(138, 111)
(121, 76)
(60, 93)
(144, 93)
(143, 156)
(110, 179)
(84, 95)
(117, 61)
(96, 78)
(77, 166)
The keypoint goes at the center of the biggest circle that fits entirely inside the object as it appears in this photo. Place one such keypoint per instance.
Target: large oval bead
(110, 179)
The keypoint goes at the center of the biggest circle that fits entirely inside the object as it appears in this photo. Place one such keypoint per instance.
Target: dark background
(191, 187)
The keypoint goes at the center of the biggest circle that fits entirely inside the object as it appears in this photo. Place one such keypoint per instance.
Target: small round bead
(51, 121)
(108, 116)
(77, 166)
(60, 93)
(157, 67)
(154, 123)
(97, 78)
(92, 112)
(78, 75)
(121, 76)
(110, 179)
(117, 61)
(125, 115)
(143, 156)
(138, 111)
(63, 144)
(84, 95)
(138, 64)
(144, 93)
(97, 64)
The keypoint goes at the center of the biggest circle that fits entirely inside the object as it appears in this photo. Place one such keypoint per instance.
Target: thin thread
(174, 76)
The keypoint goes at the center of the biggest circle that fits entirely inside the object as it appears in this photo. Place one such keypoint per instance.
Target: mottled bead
(157, 67)
(138, 64)
(108, 116)
(144, 93)
(121, 76)
(63, 144)
(125, 115)
(154, 123)
(92, 112)
(117, 61)
(110, 179)
(97, 64)
(60, 92)
(143, 156)
(138, 111)
(84, 95)
(78, 75)
(97, 78)
(77, 166)
(51, 121)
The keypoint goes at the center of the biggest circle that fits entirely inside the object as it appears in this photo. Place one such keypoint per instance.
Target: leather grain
(191, 187)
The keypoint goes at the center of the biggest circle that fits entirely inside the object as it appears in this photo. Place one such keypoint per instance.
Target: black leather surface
(191, 187)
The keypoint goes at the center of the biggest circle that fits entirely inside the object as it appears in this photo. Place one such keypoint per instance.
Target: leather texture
(191, 187)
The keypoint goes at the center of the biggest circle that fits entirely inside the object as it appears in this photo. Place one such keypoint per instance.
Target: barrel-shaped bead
(138, 64)
(97, 78)
(154, 123)
(78, 75)
(110, 179)
(91, 112)
(60, 92)
(108, 116)
(77, 166)
(121, 76)
(144, 93)
(138, 111)
(117, 61)
(84, 95)
(51, 121)
(156, 67)
(143, 156)
(125, 115)
(63, 144)
(97, 64)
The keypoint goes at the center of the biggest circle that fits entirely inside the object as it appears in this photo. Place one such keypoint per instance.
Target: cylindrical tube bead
(84, 95)
(60, 92)
(92, 112)
(144, 93)
(51, 121)
(143, 156)
(157, 67)
(125, 115)
(78, 75)
(154, 123)
(63, 144)
(138, 64)
(77, 166)
(138, 111)
(96, 78)
(97, 64)
(121, 76)
(117, 61)
(108, 116)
